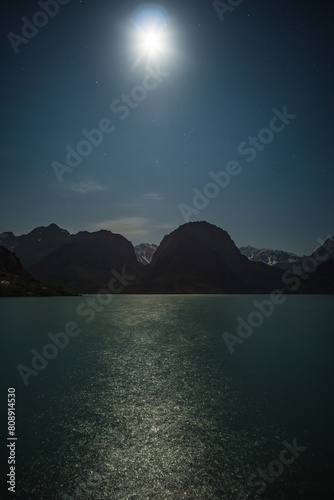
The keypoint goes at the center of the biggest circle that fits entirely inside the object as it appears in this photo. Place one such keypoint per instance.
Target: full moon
(152, 43)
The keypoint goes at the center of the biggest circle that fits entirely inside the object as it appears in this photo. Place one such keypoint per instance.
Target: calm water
(147, 402)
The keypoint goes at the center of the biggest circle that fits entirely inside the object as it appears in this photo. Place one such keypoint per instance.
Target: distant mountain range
(277, 258)
(197, 257)
(144, 252)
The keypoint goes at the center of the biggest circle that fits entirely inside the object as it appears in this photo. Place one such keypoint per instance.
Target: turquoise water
(147, 401)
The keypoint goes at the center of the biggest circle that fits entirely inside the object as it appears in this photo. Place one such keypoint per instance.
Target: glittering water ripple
(143, 405)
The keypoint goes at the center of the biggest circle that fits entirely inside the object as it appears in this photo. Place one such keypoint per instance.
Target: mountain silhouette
(199, 257)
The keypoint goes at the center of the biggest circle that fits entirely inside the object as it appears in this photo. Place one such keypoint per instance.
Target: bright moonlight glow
(152, 43)
(151, 36)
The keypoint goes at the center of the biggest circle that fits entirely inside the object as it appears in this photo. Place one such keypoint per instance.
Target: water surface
(148, 402)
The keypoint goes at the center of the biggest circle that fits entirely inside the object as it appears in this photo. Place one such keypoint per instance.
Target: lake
(143, 398)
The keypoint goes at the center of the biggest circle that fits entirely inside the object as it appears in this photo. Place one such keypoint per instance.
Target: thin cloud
(130, 227)
(154, 196)
(85, 187)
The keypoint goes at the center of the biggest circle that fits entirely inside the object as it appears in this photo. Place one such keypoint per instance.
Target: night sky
(221, 81)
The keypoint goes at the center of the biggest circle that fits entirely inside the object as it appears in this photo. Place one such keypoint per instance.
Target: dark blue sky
(224, 80)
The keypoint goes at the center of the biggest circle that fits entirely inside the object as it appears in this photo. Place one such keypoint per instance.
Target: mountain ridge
(197, 257)
(215, 265)
(15, 281)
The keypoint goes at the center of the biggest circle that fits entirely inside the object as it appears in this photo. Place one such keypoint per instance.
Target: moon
(151, 37)
(152, 43)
